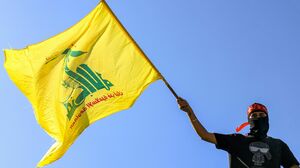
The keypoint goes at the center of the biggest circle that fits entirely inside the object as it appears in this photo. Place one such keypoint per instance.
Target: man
(255, 150)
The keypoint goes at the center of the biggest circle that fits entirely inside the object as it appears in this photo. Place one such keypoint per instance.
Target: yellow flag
(77, 77)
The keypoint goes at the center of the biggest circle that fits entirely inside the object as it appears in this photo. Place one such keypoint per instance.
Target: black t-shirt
(248, 152)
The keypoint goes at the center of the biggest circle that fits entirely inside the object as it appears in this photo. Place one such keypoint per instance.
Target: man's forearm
(200, 129)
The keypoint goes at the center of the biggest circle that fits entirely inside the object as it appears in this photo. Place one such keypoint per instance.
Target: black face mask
(259, 127)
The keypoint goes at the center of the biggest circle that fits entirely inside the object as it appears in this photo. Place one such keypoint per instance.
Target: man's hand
(184, 105)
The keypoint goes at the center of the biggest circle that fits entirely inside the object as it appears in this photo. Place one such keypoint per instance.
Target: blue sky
(219, 55)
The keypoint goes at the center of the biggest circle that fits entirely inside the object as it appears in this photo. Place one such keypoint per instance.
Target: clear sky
(220, 55)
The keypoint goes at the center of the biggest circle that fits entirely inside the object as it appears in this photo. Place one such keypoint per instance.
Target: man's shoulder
(239, 135)
(242, 137)
(231, 136)
(275, 140)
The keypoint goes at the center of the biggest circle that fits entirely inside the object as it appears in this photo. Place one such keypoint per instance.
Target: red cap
(253, 108)
(257, 107)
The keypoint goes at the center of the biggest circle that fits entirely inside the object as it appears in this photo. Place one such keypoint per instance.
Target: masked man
(254, 150)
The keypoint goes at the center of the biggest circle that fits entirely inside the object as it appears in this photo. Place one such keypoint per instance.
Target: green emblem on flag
(85, 79)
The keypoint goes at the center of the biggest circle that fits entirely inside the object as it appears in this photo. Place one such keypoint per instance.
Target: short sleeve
(227, 142)
(287, 157)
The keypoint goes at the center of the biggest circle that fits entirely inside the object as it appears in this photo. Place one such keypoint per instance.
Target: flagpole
(163, 78)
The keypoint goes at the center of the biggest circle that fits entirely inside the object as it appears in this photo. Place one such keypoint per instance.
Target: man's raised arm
(201, 131)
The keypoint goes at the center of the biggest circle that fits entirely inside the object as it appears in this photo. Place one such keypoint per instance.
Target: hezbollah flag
(77, 77)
